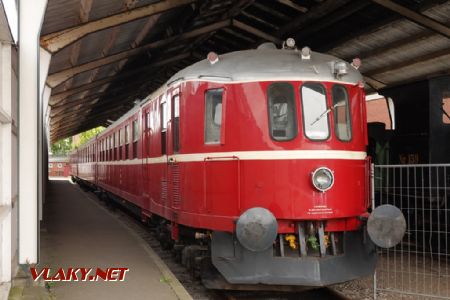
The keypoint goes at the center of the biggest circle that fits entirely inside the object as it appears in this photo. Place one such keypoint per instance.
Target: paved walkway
(79, 232)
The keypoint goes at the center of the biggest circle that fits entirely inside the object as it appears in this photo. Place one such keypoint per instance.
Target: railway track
(317, 294)
(195, 287)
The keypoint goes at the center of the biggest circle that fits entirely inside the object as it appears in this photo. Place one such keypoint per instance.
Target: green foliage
(87, 135)
(62, 147)
(65, 146)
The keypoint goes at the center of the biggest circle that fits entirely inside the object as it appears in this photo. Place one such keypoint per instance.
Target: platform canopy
(106, 54)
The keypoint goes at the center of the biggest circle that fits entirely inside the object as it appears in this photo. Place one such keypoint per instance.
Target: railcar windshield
(282, 111)
(315, 111)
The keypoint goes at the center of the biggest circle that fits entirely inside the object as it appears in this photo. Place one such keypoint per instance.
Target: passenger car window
(315, 111)
(135, 138)
(282, 111)
(176, 124)
(127, 141)
(213, 116)
(341, 109)
(122, 140)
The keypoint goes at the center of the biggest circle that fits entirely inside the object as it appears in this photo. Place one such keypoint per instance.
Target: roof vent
(267, 45)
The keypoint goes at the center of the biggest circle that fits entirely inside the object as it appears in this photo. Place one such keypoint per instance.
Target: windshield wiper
(324, 114)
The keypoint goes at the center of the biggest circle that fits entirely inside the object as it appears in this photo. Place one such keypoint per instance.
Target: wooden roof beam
(73, 131)
(416, 17)
(87, 109)
(97, 120)
(116, 92)
(72, 122)
(89, 101)
(60, 126)
(410, 62)
(59, 77)
(60, 96)
(256, 32)
(373, 83)
(315, 13)
(56, 41)
(334, 17)
(392, 46)
(291, 4)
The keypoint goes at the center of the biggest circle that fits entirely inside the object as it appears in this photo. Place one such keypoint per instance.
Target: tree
(84, 137)
(62, 147)
(65, 146)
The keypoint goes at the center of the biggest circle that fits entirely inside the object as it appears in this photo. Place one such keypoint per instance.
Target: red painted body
(211, 193)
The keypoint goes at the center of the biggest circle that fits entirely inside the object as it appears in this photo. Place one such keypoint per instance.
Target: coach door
(145, 157)
(173, 147)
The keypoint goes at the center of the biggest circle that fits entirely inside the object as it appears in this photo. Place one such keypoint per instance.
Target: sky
(11, 13)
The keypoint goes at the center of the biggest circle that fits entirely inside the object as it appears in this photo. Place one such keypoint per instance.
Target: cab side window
(341, 109)
(213, 116)
(282, 111)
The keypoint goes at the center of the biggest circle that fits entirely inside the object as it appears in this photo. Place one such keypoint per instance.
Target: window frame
(269, 117)
(127, 141)
(135, 137)
(303, 111)
(445, 97)
(221, 140)
(349, 111)
(176, 141)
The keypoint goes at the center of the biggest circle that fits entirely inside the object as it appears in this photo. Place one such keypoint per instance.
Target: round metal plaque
(386, 226)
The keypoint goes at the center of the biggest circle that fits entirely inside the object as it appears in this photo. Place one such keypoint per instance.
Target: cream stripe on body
(246, 155)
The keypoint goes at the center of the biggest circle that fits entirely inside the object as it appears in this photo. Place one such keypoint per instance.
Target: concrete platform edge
(4, 290)
(172, 281)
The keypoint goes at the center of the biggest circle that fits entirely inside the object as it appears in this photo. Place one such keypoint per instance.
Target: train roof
(266, 64)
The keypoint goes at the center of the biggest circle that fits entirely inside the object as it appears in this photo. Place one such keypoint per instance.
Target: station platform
(78, 231)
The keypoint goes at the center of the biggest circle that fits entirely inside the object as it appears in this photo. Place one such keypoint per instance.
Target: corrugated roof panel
(417, 71)
(102, 8)
(61, 60)
(421, 48)
(82, 78)
(384, 36)
(128, 34)
(61, 14)
(439, 13)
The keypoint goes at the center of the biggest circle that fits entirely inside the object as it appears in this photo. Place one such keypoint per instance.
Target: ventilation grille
(176, 186)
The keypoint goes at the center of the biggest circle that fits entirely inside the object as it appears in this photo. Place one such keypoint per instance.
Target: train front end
(305, 197)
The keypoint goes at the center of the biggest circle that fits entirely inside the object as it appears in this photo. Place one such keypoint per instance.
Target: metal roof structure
(108, 53)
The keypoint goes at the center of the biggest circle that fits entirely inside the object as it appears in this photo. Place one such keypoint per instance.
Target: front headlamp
(322, 179)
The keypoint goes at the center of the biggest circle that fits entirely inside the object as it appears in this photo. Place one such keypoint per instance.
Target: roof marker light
(356, 63)
(212, 57)
(340, 68)
(306, 53)
(290, 42)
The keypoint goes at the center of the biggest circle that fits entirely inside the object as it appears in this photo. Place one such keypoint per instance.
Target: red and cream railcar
(262, 153)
